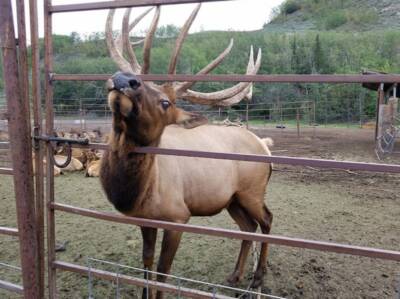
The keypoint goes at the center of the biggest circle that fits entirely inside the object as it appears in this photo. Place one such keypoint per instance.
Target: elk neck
(127, 177)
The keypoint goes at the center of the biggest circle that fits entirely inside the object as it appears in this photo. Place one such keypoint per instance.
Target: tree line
(319, 52)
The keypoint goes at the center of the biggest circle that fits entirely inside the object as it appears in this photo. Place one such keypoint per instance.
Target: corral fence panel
(35, 199)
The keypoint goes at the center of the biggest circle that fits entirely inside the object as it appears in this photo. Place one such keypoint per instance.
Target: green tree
(318, 56)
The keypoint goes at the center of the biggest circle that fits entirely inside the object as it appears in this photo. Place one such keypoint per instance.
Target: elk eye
(165, 104)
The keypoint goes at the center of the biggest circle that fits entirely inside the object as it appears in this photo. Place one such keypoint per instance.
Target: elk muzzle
(126, 83)
(124, 92)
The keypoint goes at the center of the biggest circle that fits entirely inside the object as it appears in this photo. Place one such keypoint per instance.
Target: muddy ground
(339, 206)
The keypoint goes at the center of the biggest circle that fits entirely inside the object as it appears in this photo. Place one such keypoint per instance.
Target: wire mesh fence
(118, 289)
(91, 113)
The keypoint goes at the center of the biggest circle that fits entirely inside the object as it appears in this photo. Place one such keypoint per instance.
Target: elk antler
(122, 43)
(181, 38)
(229, 95)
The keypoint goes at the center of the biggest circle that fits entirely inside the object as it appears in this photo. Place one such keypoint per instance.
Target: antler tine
(250, 66)
(118, 40)
(235, 99)
(212, 65)
(248, 91)
(213, 98)
(114, 52)
(181, 38)
(149, 40)
(126, 42)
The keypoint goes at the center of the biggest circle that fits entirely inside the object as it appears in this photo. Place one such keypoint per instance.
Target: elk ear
(189, 120)
(119, 103)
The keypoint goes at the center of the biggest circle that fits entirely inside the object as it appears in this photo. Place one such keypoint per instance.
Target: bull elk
(175, 188)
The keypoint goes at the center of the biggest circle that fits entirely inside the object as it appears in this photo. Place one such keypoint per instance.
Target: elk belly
(206, 186)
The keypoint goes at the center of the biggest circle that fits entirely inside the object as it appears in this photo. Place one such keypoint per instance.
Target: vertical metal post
(298, 122)
(314, 114)
(360, 111)
(37, 131)
(247, 115)
(51, 254)
(23, 59)
(81, 114)
(21, 151)
(380, 100)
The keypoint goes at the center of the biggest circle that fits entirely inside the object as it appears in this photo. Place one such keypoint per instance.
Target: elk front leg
(149, 236)
(170, 244)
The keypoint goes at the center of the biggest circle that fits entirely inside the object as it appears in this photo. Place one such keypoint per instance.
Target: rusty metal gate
(32, 194)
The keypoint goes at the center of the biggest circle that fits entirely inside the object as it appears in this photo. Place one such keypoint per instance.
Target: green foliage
(334, 14)
(362, 16)
(328, 52)
(335, 20)
(167, 31)
(318, 56)
(290, 6)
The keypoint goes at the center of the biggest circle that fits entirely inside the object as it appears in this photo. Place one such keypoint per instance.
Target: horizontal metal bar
(395, 78)
(84, 141)
(4, 145)
(125, 279)
(12, 287)
(9, 231)
(219, 232)
(119, 4)
(6, 171)
(347, 165)
(8, 266)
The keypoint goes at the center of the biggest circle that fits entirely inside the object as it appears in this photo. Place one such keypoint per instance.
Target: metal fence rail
(6, 171)
(121, 278)
(119, 4)
(322, 163)
(9, 231)
(219, 232)
(241, 78)
(12, 287)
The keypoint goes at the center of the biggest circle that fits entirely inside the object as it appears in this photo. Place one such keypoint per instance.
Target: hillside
(342, 15)
(305, 37)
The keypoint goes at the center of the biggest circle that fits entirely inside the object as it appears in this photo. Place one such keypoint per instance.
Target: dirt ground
(330, 205)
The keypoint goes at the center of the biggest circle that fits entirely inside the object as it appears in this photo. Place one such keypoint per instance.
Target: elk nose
(122, 81)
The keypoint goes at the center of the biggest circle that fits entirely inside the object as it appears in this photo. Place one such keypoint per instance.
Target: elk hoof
(234, 279)
(258, 279)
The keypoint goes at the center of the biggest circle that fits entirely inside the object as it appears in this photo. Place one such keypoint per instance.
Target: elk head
(141, 110)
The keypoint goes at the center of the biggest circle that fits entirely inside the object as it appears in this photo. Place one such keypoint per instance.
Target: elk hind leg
(245, 223)
(260, 213)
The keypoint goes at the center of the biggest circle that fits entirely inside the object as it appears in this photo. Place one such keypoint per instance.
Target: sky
(243, 15)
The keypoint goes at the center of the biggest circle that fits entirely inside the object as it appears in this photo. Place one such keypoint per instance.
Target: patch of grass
(362, 16)
(335, 20)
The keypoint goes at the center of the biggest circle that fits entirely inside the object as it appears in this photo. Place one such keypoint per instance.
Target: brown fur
(175, 188)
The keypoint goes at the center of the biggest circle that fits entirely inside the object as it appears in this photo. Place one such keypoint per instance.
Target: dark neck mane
(127, 177)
